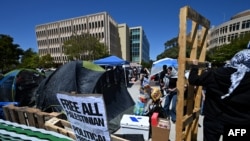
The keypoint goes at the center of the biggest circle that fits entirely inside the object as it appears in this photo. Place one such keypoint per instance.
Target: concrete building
(130, 44)
(237, 26)
(139, 45)
(123, 30)
(51, 36)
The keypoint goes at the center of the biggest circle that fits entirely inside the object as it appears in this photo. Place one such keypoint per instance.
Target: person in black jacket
(227, 104)
(162, 75)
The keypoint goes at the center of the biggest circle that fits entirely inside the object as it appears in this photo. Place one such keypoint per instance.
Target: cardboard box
(160, 134)
(161, 131)
(133, 124)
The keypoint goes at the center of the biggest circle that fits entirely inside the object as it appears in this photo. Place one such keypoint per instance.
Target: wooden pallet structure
(28, 116)
(34, 117)
(63, 127)
(188, 104)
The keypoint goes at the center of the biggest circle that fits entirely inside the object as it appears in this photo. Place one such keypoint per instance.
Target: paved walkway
(134, 92)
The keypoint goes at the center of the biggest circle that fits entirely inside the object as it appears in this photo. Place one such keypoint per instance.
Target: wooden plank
(41, 119)
(60, 126)
(31, 119)
(22, 115)
(195, 16)
(181, 66)
(10, 113)
(6, 112)
(187, 119)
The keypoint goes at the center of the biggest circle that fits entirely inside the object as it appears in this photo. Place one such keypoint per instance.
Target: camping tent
(157, 65)
(84, 77)
(19, 86)
(111, 61)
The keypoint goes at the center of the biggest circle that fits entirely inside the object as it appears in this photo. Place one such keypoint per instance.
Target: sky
(158, 18)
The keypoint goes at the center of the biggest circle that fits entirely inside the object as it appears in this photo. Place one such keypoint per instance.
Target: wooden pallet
(35, 117)
(28, 116)
(188, 107)
(63, 127)
(60, 126)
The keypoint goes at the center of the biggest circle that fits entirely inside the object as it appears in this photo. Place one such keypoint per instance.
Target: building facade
(51, 36)
(237, 26)
(139, 45)
(124, 41)
(130, 44)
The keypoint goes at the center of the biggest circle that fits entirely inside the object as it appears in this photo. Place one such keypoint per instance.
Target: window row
(231, 28)
(51, 42)
(69, 29)
(51, 51)
(228, 38)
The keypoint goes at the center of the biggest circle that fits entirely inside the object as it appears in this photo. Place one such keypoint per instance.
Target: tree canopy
(217, 55)
(84, 47)
(31, 59)
(10, 53)
(220, 54)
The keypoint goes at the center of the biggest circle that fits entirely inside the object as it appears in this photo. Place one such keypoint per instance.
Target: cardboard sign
(87, 115)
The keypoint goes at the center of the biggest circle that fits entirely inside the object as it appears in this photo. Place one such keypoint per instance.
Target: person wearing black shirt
(227, 104)
(162, 75)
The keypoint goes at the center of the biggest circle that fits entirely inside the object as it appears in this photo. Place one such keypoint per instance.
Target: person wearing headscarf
(227, 104)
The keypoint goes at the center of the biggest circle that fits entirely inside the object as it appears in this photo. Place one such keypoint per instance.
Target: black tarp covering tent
(84, 77)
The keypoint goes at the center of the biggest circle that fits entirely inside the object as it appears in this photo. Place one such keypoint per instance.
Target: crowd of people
(225, 94)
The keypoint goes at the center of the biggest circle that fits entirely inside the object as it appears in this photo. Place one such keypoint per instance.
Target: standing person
(135, 73)
(172, 94)
(227, 104)
(203, 92)
(144, 71)
(161, 80)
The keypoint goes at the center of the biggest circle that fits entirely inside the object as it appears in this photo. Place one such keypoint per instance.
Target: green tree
(172, 49)
(30, 59)
(147, 64)
(9, 53)
(218, 55)
(84, 47)
(171, 43)
(46, 61)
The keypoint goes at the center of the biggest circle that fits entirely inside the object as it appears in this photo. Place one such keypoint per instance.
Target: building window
(230, 28)
(238, 26)
(102, 24)
(245, 24)
(248, 24)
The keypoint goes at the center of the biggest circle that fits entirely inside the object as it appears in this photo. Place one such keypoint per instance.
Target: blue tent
(157, 65)
(19, 86)
(111, 61)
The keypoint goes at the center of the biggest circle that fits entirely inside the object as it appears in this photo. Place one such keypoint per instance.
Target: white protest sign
(87, 116)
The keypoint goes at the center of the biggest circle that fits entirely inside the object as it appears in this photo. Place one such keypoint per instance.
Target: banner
(87, 115)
